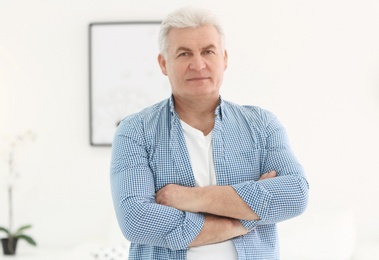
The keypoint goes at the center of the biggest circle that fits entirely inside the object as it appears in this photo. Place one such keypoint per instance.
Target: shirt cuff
(249, 224)
(183, 235)
(257, 197)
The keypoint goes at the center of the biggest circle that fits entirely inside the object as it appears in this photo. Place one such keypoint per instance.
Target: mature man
(198, 177)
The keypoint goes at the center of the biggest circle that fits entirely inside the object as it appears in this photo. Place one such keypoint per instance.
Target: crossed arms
(222, 206)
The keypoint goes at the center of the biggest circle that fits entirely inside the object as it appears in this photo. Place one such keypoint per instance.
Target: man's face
(195, 62)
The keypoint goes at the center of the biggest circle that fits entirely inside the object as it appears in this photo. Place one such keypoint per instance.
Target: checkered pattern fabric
(149, 151)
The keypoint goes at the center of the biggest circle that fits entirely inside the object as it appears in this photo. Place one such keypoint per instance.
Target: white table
(39, 253)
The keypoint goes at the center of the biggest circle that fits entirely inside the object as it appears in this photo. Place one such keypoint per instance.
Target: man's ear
(225, 59)
(162, 64)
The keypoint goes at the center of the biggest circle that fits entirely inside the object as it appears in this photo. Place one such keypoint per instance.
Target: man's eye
(184, 54)
(208, 52)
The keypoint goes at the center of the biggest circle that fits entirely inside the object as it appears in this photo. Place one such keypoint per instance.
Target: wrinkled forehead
(199, 37)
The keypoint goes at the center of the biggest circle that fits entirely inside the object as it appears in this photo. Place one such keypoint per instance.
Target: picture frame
(124, 74)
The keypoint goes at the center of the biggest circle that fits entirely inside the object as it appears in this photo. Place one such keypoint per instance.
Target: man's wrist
(217, 229)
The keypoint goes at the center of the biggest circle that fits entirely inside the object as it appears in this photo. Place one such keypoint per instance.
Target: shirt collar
(218, 111)
(219, 108)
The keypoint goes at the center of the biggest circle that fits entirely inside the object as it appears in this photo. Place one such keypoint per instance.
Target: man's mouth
(198, 78)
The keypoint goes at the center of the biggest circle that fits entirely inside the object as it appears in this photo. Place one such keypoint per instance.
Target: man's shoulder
(149, 112)
(250, 111)
(148, 116)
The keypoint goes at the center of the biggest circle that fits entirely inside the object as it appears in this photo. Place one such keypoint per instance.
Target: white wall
(313, 63)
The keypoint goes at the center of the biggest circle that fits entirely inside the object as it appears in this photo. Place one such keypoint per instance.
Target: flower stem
(10, 202)
(10, 205)
(10, 193)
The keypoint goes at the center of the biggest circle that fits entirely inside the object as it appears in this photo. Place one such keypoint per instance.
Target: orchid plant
(9, 153)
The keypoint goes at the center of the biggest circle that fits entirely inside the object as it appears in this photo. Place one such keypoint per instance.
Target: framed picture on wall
(124, 75)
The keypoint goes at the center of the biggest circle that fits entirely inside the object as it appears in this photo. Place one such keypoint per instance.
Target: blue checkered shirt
(149, 152)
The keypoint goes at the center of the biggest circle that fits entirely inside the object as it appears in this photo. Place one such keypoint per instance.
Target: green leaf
(28, 239)
(21, 229)
(5, 230)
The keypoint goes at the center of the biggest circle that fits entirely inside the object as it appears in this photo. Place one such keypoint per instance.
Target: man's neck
(199, 113)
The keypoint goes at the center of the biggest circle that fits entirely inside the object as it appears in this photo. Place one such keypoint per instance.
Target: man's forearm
(223, 201)
(216, 200)
(217, 229)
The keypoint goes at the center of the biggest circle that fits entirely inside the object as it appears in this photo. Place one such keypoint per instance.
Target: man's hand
(267, 175)
(176, 196)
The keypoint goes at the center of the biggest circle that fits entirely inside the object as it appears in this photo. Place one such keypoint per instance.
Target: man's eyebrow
(182, 49)
(210, 46)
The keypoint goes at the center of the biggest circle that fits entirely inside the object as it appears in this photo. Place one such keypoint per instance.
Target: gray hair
(188, 17)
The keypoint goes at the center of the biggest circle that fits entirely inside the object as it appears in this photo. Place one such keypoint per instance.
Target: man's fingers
(268, 175)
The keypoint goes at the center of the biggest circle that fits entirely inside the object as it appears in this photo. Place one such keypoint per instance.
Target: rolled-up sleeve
(284, 196)
(141, 219)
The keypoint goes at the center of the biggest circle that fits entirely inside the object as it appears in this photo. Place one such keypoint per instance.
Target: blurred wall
(314, 64)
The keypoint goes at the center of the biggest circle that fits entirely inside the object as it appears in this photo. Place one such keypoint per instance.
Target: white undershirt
(201, 155)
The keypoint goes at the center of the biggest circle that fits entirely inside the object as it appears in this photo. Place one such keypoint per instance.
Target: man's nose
(197, 63)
